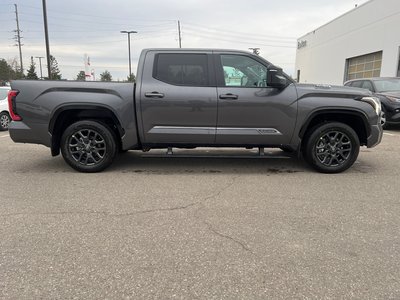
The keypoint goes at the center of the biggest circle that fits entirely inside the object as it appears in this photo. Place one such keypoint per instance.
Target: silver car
(5, 118)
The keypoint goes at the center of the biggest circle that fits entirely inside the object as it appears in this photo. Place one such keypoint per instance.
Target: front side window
(243, 71)
(182, 69)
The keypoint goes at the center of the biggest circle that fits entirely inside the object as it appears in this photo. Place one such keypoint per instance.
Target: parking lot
(192, 228)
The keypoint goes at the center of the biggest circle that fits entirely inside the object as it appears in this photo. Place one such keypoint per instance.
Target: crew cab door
(178, 98)
(249, 111)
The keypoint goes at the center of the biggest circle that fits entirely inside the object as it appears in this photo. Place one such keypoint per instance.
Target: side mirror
(275, 78)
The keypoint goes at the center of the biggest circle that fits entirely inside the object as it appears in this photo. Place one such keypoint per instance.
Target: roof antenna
(356, 5)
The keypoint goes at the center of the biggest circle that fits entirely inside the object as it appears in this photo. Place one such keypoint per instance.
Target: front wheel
(5, 120)
(332, 147)
(88, 146)
(384, 123)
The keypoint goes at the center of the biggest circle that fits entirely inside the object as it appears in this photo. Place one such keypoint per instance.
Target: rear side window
(182, 69)
(357, 84)
(368, 86)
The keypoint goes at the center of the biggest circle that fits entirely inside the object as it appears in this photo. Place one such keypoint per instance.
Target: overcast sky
(93, 27)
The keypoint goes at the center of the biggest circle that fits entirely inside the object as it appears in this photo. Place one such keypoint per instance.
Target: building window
(364, 66)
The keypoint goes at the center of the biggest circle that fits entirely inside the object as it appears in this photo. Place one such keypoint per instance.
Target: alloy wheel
(383, 118)
(333, 148)
(87, 147)
(4, 121)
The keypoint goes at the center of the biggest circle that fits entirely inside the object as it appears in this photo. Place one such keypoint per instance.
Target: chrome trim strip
(247, 131)
(212, 130)
(182, 130)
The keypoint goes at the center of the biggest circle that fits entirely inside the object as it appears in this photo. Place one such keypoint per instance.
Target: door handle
(228, 96)
(154, 95)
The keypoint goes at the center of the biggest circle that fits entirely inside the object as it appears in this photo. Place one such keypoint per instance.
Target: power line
(236, 35)
(202, 27)
(239, 42)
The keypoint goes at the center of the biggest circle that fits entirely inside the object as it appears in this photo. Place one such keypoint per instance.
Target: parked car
(185, 98)
(5, 118)
(387, 89)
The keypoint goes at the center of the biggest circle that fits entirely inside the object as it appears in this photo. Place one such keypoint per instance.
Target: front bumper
(376, 136)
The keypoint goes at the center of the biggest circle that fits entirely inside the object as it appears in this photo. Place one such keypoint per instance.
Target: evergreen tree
(81, 76)
(105, 76)
(55, 71)
(32, 71)
(6, 71)
(131, 78)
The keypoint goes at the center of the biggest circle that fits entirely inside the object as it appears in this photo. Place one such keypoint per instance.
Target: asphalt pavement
(199, 228)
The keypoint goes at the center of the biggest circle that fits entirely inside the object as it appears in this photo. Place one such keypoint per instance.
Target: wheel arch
(65, 115)
(354, 118)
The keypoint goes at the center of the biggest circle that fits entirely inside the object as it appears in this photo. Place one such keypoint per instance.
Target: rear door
(178, 98)
(249, 111)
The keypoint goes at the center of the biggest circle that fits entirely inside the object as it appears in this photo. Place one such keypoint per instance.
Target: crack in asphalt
(201, 204)
(103, 213)
(228, 237)
(210, 227)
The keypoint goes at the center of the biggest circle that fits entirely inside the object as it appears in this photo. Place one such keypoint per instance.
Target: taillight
(12, 95)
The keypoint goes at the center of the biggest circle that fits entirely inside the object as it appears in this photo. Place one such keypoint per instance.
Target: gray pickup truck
(195, 98)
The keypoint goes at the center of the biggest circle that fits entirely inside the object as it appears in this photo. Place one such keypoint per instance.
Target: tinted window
(243, 71)
(357, 84)
(368, 85)
(182, 69)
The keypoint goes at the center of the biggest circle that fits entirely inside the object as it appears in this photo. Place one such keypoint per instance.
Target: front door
(250, 112)
(178, 98)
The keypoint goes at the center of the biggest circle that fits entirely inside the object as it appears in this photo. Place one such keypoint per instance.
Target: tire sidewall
(104, 131)
(316, 134)
(9, 121)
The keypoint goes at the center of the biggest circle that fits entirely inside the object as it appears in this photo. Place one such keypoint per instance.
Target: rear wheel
(332, 147)
(88, 146)
(5, 120)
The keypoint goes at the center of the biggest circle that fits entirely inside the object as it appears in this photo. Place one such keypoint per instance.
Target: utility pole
(179, 32)
(40, 64)
(46, 34)
(256, 51)
(129, 48)
(18, 39)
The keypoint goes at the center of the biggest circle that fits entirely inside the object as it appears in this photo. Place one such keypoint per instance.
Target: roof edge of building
(338, 17)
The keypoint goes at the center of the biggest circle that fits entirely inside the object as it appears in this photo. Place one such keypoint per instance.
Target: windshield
(387, 85)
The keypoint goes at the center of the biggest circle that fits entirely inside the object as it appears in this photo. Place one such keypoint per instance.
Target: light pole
(46, 35)
(129, 47)
(40, 63)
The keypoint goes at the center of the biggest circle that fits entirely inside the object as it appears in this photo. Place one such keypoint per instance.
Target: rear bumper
(376, 136)
(34, 134)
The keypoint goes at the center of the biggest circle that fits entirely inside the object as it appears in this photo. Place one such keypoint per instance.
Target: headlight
(375, 103)
(393, 99)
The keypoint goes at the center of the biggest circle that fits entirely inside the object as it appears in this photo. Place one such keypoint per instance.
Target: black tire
(88, 146)
(332, 147)
(5, 120)
(384, 122)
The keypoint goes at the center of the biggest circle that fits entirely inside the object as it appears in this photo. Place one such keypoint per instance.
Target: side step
(216, 153)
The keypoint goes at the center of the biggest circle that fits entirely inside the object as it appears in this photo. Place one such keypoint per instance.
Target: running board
(212, 153)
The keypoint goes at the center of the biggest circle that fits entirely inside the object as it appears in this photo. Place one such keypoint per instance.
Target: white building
(364, 42)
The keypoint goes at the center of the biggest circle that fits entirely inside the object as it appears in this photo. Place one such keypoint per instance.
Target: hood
(324, 90)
